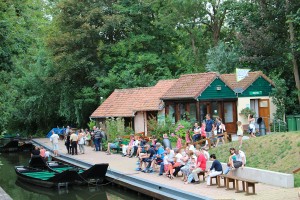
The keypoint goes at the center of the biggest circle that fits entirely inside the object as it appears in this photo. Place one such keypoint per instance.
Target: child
(203, 132)
(166, 163)
(188, 136)
(178, 144)
(240, 133)
(220, 129)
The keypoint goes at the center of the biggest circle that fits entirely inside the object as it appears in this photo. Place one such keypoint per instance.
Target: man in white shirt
(54, 140)
(240, 156)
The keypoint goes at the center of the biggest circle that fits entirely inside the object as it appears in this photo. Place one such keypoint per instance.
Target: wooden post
(209, 144)
(225, 135)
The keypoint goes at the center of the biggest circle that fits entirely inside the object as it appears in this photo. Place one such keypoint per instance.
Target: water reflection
(21, 190)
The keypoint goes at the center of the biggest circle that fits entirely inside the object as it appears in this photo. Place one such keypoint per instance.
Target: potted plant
(246, 111)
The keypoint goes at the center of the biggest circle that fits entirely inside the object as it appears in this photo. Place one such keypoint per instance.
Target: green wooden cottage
(201, 94)
(253, 92)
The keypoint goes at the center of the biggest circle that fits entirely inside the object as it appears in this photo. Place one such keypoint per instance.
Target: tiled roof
(125, 102)
(190, 86)
(242, 85)
(152, 99)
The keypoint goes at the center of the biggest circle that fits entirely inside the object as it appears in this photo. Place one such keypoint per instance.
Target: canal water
(19, 190)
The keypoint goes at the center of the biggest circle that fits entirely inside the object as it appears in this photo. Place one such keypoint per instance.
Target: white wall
(139, 124)
(244, 102)
(263, 176)
(273, 108)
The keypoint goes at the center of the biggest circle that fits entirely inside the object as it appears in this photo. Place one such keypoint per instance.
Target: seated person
(197, 132)
(181, 159)
(143, 142)
(42, 152)
(215, 169)
(192, 167)
(35, 151)
(170, 159)
(114, 145)
(233, 163)
(146, 159)
(127, 148)
(133, 149)
(159, 155)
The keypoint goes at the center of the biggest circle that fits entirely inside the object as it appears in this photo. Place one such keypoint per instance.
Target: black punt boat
(15, 145)
(95, 173)
(45, 178)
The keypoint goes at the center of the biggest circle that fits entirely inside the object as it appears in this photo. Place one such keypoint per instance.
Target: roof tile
(125, 102)
(190, 86)
(242, 85)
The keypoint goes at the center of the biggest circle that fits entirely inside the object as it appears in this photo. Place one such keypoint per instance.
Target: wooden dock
(122, 172)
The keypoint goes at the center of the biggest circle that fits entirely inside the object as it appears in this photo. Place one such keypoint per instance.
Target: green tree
(222, 58)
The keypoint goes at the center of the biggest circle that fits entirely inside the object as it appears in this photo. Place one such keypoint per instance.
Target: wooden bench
(246, 184)
(202, 173)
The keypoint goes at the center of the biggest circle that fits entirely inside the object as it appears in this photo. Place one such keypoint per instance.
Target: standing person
(88, 137)
(68, 143)
(74, 139)
(215, 169)
(188, 136)
(197, 132)
(179, 142)
(209, 128)
(67, 131)
(251, 121)
(240, 133)
(81, 137)
(220, 130)
(97, 137)
(54, 140)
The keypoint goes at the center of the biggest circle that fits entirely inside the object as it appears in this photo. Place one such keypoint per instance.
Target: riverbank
(126, 166)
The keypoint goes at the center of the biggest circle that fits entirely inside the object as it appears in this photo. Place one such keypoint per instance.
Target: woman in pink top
(179, 140)
(188, 136)
(42, 152)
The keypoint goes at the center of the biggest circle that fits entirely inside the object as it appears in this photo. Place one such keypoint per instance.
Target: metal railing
(273, 125)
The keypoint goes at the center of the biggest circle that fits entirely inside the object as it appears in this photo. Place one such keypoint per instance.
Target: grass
(276, 152)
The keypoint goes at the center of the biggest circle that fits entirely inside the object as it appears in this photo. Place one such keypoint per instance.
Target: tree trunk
(293, 42)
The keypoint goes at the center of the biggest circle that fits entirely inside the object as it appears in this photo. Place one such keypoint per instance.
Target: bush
(158, 129)
(114, 127)
(246, 111)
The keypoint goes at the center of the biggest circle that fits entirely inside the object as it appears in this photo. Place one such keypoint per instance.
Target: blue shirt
(209, 124)
(217, 166)
(160, 151)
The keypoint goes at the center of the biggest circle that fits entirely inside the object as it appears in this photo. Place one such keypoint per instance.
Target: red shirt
(202, 160)
(203, 133)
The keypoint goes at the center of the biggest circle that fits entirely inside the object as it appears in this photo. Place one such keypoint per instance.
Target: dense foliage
(59, 57)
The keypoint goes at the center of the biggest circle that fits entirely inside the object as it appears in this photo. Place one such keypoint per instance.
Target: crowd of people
(188, 160)
(157, 155)
(42, 152)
